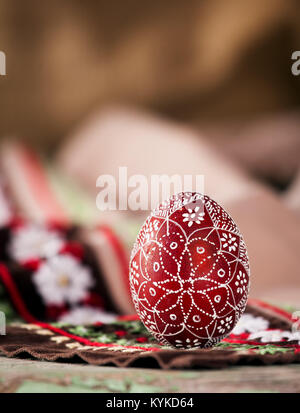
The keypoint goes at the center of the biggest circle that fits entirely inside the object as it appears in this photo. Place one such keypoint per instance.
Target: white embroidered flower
(294, 336)
(229, 241)
(33, 241)
(87, 315)
(62, 279)
(193, 215)
(250, 324)
(241, 282)
(276, 335)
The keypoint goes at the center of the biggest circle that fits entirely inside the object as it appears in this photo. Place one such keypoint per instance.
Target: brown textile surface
(67, 343)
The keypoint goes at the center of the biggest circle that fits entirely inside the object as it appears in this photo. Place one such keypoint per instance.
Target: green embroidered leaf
(105, 338)
(123, 342)
(80, 331)
(235, 346)
(270, 349)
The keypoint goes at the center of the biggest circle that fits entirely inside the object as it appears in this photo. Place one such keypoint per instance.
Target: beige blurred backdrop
(209, 61)
(219, 67)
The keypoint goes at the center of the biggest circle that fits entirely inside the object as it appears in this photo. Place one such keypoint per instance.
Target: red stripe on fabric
(21, 308)
(120, 253)
(92, 343)
(267, 306)
(259, 343)
(14, 294)
(40, 185)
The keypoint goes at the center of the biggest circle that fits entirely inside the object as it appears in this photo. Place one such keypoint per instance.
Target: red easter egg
(189, 272)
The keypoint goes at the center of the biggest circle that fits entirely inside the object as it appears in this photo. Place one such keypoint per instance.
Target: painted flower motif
(87, 315)
(135, 272)
(241, 282)
(193, 215)
(229, 241)
(147, 320)
(224, 325)
(188, 343)
(62, 279)
(33, 241)
(153, 226)
(250, 324)
(270, 336)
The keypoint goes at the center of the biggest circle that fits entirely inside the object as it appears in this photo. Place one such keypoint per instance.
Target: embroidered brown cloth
(264, 335)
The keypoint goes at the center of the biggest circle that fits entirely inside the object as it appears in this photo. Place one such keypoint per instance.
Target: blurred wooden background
(198, 61)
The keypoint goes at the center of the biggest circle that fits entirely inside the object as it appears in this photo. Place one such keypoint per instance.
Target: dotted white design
(241, 282)
(189, 272)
